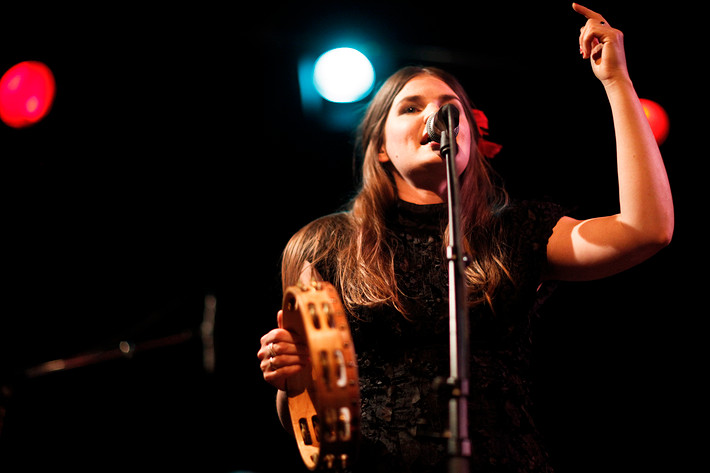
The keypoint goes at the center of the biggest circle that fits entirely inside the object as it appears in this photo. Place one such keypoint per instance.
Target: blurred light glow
(343, 75)
(657, 118)
(26, 94)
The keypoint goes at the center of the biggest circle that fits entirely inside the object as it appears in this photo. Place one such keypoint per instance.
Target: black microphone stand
(459, 444)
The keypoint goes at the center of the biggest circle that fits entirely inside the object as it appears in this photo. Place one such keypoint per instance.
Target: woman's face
(418, 167)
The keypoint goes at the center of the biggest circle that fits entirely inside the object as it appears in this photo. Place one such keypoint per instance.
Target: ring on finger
(272, 353)
(271, 364)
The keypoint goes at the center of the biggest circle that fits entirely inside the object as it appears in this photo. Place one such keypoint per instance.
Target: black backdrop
(177, 161)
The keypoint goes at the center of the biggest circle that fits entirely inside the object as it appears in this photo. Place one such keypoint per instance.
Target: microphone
(438, 122)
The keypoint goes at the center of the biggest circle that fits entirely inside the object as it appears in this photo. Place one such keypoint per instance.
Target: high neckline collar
(430, 216)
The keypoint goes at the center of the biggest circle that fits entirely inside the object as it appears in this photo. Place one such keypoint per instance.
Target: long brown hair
(354, 245)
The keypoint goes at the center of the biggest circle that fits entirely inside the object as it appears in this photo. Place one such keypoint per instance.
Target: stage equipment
(343, 75)
(657, 118)
(26, 94)
(333, 84)
(324, 401)
(443, 125)
(126, 349)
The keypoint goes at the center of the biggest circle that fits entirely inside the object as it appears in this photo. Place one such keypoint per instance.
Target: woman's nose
(429, 110)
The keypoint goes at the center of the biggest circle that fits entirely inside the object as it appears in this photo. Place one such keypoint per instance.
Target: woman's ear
(382, 155)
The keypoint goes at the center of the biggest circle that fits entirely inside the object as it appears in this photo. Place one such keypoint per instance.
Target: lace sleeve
(530, 226)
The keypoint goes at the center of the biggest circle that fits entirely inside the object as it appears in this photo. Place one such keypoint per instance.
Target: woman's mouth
(427, 141)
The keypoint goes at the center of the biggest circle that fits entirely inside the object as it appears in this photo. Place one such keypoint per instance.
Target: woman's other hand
(282, 355)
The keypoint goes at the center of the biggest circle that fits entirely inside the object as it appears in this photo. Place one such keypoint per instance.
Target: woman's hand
(603, 45)
(282, 355)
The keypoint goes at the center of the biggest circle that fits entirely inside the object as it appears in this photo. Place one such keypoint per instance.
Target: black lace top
(403, 415)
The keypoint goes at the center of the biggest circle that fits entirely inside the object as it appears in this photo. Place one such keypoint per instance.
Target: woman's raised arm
(599, 247)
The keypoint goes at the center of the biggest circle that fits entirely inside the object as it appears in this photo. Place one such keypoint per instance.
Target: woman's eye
(409, 109)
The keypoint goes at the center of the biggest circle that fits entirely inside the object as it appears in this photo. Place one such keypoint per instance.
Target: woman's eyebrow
(420, 98)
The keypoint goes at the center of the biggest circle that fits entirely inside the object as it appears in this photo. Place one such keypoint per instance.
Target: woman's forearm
(645, 197)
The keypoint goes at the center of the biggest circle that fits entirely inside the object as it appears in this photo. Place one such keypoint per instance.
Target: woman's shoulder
(531, 220)
(328, 224)
(524, 210)
(313, 244)
(320, 235)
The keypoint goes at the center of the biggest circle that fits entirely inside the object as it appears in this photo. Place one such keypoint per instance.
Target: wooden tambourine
(324, 402)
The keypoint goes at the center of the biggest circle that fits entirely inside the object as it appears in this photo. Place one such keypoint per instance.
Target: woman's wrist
(622, 83)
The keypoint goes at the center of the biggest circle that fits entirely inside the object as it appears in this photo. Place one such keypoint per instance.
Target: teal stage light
(343, 75)
(336, 81)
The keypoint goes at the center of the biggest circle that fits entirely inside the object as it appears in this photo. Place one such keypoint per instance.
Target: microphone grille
(431, 129)
(437, 122)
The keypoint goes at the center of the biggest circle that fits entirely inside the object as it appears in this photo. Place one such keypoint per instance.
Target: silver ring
(272, 353)
(271, 364)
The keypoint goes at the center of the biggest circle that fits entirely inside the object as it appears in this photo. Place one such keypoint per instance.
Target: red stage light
(26, 93)
(657, 118)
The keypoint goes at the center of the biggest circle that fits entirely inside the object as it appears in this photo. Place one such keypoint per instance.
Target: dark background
(177, 161)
